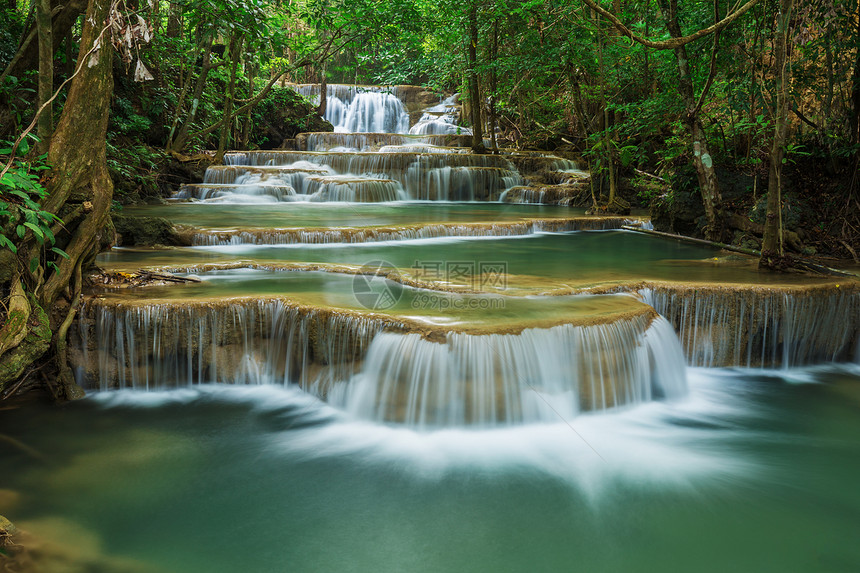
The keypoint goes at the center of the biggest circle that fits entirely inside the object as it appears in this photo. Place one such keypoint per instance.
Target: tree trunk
(45, 122)
(80, 191)
(703, 161)
(251, 71)
(607, 127)
(205, 55)
(855, 95)
(494, 85)
(181, 139)
(235, 50)
(27, 56)
(174, 20)
(474, 91)
(772, 243)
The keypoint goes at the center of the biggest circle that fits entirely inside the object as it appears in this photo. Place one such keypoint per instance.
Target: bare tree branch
(672, 43)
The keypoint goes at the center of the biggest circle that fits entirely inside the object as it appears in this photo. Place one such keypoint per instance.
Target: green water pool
(539, 262)
(280, 215)
(755, 471)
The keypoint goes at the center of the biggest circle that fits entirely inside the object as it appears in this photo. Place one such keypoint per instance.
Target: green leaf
(49, 235)
(34, 264)
(21, 231)
(8, 244)
(36, 230)
(60, 252)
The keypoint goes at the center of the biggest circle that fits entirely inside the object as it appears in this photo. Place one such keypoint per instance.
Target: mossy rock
(7, 527)
(283, 115)
(144, 231)
(35, 344)
(679, 211)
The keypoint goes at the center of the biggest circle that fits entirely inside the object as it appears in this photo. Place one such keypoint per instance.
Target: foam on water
(662, 443)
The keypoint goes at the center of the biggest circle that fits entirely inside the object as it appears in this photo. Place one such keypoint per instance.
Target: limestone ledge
(193, 236)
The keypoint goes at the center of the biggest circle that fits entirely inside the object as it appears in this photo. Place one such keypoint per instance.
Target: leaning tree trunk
(494, 85)
(703, 161)
(226, 128)
(178, 143)
(771, 248)
(80, 192)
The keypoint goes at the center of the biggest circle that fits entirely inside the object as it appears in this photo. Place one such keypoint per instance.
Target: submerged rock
(58, 545)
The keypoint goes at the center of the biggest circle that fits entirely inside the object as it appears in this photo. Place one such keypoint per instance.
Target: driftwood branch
(798, 262)
(651, 175)
(672, 43)
(149, 275)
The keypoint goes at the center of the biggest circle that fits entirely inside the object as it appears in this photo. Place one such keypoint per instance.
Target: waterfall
(213, 238)
(361, 109)
(371, 367)
(538, 375)
(365, 142)
(761, 326)
(340, 176)
(373, 112)
(159, 345)
(353, 188)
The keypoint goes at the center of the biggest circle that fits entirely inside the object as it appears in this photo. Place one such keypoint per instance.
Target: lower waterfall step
(762, 326)
(308, 235)
(581, 353)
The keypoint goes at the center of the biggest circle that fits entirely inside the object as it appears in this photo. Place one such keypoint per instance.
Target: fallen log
(796, 261)
(149, 275)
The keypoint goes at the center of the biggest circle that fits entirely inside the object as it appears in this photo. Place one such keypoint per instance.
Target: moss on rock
(144, 231)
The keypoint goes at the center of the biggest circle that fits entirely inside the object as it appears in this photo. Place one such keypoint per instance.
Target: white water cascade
(538, 375)
(761, 327)
(374, 156)
(374, 368)
(361, 109)
(168, 345)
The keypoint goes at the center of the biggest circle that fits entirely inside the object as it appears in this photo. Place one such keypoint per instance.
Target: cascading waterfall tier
(420, 176)
(762, 326)
(537, 375)
(408, 232)
(365, 142)
(379, 367)
(371, 144)
(250, 341)
(353, 188)
(441, 119)
(361, 109)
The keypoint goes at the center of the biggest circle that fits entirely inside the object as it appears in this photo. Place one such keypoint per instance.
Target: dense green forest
(738, 122)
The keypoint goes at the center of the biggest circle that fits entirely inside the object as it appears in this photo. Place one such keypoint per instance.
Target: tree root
(17, 316)
(69, 389)
(22, 447)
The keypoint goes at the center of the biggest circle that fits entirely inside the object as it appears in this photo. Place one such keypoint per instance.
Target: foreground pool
(754, 471)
